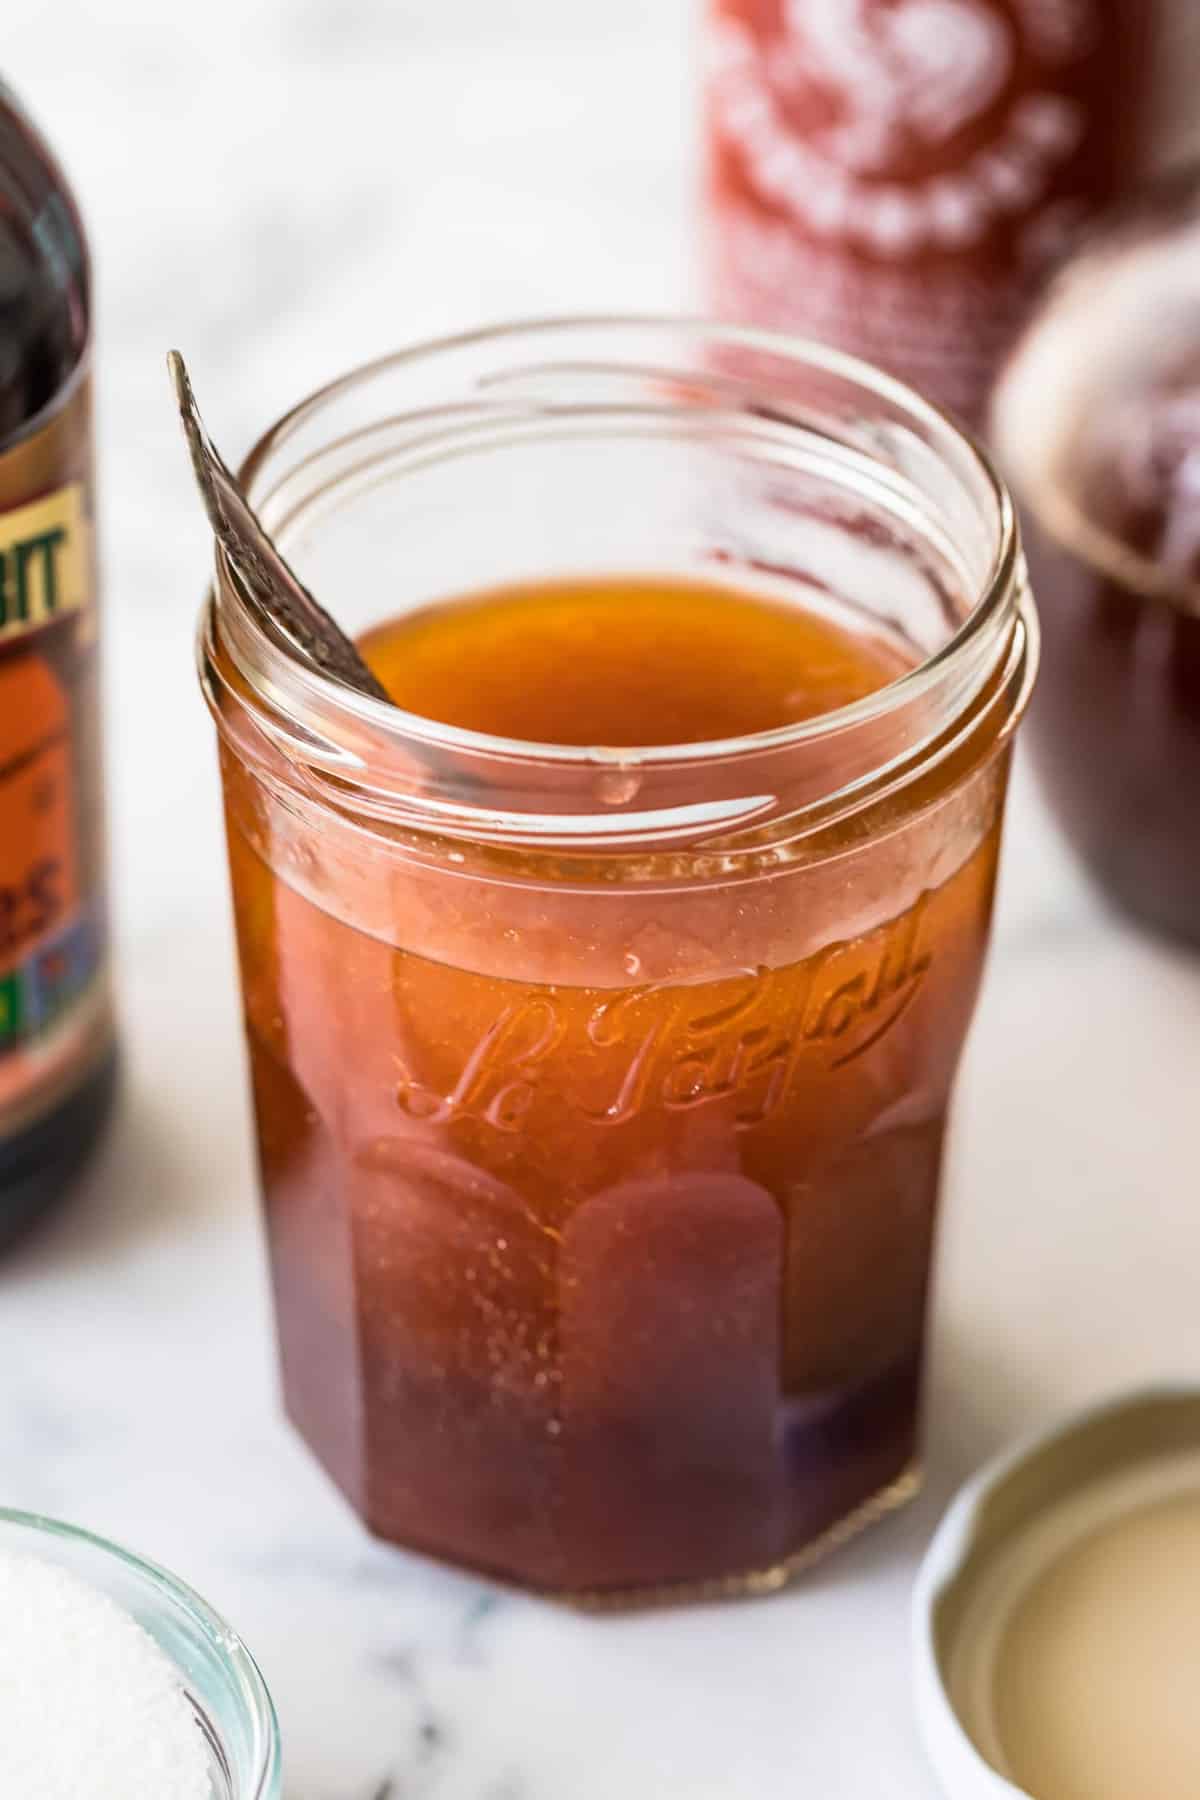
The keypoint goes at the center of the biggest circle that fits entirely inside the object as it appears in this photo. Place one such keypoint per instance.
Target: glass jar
(221, 1680)
(601, 1094)
(1097, 425)
(57, 1035)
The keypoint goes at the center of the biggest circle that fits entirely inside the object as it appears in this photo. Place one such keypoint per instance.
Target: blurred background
(284, 188)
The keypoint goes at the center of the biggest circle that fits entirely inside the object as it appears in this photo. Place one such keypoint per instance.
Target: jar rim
(253, 1695)
(983, 624)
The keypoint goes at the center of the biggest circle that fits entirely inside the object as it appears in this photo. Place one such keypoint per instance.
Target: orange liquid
(601, 1217)
(636, 663)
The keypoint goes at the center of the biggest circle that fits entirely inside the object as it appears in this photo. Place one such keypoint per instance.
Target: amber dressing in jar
(605, 994)
(670, 1255)
(623, 663)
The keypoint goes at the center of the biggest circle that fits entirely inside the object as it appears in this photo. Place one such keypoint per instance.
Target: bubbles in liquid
(617, 787)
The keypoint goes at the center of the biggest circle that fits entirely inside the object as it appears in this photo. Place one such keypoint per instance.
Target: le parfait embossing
(669, 1048)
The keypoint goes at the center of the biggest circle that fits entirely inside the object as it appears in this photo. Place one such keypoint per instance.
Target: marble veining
(281, 188)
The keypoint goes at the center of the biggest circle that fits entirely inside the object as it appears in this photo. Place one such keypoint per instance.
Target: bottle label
(42, 562)
(52, 926)
(894, 175)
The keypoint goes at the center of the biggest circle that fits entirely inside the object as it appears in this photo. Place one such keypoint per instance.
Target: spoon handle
(268, 582)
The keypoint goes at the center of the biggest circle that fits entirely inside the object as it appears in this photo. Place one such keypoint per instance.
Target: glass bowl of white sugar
(117, 1682)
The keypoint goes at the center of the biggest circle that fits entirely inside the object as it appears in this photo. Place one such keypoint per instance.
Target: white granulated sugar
(90, 1707)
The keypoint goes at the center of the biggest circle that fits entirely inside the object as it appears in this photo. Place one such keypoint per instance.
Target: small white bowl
(220, 1678)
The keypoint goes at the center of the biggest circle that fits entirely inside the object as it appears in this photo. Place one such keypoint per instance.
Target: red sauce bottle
(894, 176)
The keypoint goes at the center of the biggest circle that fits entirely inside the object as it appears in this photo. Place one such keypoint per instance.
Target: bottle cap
(1056, 1616)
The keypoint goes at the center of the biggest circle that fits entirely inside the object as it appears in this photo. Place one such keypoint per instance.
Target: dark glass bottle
(57, 1038)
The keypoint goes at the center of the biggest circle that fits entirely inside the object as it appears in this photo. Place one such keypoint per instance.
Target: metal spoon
(270, 585)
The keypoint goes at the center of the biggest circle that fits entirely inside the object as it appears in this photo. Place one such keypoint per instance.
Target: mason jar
(601, 1094)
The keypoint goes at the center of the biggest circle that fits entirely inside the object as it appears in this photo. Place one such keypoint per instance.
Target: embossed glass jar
(601, 1095)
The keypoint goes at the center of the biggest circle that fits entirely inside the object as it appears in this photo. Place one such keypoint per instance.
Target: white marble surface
(282, 188)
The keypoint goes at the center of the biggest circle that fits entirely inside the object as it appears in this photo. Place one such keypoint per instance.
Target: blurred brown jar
(1097, 422)
(893, 176)
(56, 1031)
